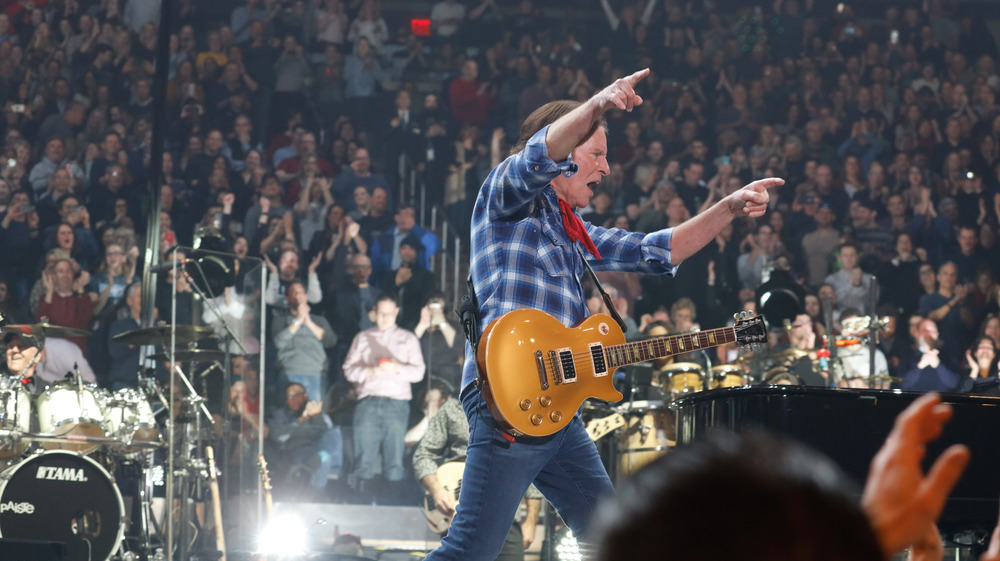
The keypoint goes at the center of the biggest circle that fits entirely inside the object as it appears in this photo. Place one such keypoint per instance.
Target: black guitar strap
(468, 314)
(607, 299)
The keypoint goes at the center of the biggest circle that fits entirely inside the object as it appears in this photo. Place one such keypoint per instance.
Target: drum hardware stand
(190, 470)
(873, 330)
(836, 368)
(227, 367)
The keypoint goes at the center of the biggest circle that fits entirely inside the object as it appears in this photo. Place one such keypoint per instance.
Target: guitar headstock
(265, 477)
(751, 331)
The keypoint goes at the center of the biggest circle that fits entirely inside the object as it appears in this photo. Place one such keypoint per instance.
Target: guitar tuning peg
(736, 316)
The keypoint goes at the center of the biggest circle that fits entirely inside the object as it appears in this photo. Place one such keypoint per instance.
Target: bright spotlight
(283, 536)
(567, 549)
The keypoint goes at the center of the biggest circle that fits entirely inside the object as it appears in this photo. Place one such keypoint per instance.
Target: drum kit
(65, 451)
(643, 425)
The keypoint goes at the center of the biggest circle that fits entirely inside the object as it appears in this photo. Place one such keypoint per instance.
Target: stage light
(567, 548)
(284, 536)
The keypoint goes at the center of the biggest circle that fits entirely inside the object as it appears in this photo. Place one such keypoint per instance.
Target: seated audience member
(752, 484)
(982, 362)
(303, 435)
(927, 369)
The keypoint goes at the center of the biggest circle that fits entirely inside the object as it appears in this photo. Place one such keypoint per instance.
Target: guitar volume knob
(536, 419)
(525, 404)
(556, 416)
(545, 400)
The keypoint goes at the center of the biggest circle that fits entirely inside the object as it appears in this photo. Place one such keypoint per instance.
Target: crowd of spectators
(296, 129)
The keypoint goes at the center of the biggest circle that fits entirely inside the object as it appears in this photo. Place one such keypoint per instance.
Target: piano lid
(850, 425)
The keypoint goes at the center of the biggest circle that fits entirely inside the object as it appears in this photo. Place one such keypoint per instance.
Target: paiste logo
(60, 473)
(17, 508)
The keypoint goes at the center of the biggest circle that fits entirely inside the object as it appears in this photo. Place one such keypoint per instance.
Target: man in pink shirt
(382, 363)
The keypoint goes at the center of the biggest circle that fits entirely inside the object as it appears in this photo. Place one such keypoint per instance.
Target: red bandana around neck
(575, 229)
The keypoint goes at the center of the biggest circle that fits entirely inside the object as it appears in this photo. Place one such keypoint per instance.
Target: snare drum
(63, 497)
(68, 409)
(16, 406)
(727, 376)
(683, 378)
(129, 418)
(646, 436)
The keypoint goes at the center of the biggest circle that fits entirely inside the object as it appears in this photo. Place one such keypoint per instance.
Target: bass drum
(63, 497)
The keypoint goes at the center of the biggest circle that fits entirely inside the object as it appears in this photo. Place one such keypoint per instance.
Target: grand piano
(849, 426)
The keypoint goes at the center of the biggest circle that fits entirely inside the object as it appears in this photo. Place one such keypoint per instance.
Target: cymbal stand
(145, 496)
(192, 471)
(171, 450)
(227, 365)
(872, 330)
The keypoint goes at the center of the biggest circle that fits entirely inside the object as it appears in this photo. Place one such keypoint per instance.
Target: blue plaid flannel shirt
(521, 257)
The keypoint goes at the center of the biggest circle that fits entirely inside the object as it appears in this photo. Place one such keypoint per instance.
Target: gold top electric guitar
(535, 372)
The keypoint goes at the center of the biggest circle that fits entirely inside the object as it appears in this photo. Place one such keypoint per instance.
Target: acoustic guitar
(535, 372)
(265, 482)
(449, 474)
(213, 480)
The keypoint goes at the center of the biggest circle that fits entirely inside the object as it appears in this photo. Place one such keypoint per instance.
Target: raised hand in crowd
(902, 502)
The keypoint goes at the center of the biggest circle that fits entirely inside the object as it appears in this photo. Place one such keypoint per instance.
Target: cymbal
(790, 352)
(49, 330)
(193, 355)
(160, 335)
(885, 378)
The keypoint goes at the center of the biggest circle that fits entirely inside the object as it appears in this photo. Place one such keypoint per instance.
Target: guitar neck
(662, 347)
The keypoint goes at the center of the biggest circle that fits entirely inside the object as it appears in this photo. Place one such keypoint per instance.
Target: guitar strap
(607, 299)
(468, 314)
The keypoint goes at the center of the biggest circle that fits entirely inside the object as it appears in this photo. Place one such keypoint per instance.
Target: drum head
(63, 497)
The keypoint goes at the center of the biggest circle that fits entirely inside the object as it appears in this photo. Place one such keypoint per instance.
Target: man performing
(523, 256)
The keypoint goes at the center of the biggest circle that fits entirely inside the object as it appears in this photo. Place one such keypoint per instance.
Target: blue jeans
(380, 422)
(564, 466)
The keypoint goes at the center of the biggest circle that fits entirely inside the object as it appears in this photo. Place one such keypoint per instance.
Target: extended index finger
(637, 77)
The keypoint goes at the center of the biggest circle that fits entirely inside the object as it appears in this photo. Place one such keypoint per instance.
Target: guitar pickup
(563, 365)
(597, 356)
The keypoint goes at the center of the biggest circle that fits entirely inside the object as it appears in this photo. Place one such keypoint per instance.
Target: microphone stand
(832, 339)
(872, 331)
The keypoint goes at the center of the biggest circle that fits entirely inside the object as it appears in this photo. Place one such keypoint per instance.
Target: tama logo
(17, 508)
(61, 474)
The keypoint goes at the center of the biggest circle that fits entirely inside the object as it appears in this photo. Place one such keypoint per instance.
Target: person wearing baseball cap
(24, 348)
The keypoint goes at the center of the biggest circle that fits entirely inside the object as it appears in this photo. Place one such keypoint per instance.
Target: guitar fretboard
(660, 347)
